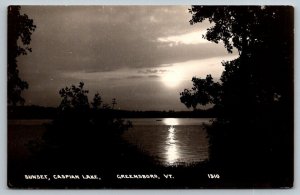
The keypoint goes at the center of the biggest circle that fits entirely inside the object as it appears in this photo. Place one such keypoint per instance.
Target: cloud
(113, 48)
(187, 38)
(134, 77)
(105, 38)
(153, 76)
(151, 71)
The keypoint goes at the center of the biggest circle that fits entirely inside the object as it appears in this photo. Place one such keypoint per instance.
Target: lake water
(171, 141)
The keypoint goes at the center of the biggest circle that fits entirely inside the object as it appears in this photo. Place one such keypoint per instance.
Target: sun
(171, 79)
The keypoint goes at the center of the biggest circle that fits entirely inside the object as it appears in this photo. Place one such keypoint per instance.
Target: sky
(143, 56)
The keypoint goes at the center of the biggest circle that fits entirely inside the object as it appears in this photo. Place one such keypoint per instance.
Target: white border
(3, 80)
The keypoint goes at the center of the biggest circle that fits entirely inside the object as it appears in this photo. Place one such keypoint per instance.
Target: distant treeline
(39, 112)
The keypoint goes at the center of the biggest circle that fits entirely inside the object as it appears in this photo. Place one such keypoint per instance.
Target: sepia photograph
(150, 97)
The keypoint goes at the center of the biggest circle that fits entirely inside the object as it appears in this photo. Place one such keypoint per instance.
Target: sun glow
(171, 79)
(173, 75)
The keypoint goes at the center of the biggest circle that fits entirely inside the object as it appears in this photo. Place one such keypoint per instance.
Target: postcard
(150, 97)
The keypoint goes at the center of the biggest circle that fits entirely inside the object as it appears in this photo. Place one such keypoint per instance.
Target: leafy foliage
(240, 27)
(74, 97)
(262, 35)
(83, 130)
(97, 101)
(20, 28)
(204, 91)
(254, 97)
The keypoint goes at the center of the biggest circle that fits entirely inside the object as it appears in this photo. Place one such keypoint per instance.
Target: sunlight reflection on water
(171, 141)
(171, 147)
(171, 121)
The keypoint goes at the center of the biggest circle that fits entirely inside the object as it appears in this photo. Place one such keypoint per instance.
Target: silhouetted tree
(254, 97)
(83, 132)
(97, 101)
(74, 98)
(19, 31)
(264, 39)
(114, 102)
(203, 92)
